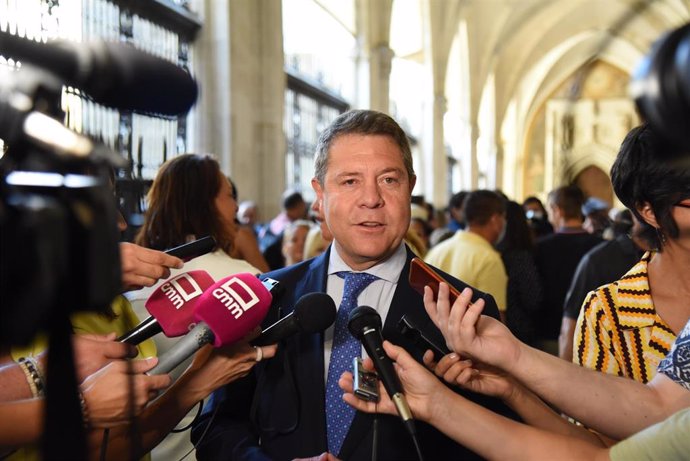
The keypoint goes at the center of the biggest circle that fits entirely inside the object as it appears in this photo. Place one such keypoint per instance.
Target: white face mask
(502, 234)
(534, 214)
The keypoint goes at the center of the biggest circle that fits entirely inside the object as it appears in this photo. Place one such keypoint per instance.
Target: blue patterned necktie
(344, 349)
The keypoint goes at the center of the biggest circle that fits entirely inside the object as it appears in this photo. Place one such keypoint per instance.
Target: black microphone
(113, 74)
(365, 324)
(313, 312)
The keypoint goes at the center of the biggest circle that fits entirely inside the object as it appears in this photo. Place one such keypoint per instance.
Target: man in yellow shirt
(469, 255)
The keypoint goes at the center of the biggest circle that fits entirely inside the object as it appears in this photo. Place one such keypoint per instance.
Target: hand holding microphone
(422, 388)
(171, 307)
(365, 324)
(226, 312)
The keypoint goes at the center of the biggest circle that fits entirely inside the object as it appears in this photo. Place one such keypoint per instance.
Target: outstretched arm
(210, 369)
(615, 406)
(467, 422)
(491, 381)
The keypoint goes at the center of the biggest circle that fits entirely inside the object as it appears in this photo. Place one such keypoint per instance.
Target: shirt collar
(388, 270)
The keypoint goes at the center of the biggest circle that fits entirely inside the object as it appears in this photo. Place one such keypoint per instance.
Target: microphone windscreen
(361, 318)
(233, 306)
(173, 303)
(142, 82)
(315, 312)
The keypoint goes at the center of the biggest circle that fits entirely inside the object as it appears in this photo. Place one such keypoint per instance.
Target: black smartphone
(366, 385)
(410, 331)
(193, 249)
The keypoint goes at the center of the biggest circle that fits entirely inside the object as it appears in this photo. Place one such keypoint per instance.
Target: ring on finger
(259, 353)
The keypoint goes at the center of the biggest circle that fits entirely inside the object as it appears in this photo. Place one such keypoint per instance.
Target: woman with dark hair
(189, 199)
(537, 217)
(627, 327)
(524, 288)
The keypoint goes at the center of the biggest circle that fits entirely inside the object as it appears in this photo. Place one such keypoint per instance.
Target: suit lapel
(310, 364)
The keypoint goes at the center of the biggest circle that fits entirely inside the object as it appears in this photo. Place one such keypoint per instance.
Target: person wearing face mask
(536, 217)
(470, 254)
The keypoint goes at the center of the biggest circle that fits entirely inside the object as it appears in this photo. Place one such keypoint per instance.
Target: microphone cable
(375, 437)
(185, 428)
(417, 447)
(203, 434)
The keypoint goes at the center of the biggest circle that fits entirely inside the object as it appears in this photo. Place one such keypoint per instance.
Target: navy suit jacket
(278, 412)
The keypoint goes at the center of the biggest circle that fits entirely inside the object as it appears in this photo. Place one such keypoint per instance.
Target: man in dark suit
(363, 183)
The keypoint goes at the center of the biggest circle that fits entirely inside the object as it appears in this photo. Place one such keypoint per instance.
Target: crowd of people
(542, 286)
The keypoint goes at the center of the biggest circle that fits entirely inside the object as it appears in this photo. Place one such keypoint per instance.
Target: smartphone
(410, 331)
(366, 384)
(193, 249)
(422, 275)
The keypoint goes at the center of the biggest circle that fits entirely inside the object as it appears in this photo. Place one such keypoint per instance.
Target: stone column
(243, 93)
(380, 63)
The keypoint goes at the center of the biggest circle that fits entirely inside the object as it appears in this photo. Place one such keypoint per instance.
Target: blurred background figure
(420, 230)
(271, 236)
(456, 220)
(524, 287)
(319, 236)
(596, 213)
(537, 217)
(246, 243)
(557, 256)
(315, 243)
(248, 214)
(294, 238)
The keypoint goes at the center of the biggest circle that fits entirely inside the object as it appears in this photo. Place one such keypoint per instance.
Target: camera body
(58, 218)
(661, 87)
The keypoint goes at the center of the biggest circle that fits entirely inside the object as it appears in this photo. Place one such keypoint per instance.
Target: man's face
(365, 198)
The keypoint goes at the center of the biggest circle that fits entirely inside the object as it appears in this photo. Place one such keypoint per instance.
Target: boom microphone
(365, 324)
(313, 312)
(113, 74)
(226, 312)
(171, 307)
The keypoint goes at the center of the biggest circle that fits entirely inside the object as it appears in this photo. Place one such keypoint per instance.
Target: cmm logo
(236, 296)
(181, 289)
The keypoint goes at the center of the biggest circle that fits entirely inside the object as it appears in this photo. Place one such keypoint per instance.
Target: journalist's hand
(107, 396)
(92, 352)
(467, 332)
(143, 267)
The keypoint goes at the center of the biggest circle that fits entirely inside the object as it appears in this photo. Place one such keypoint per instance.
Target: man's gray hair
(363, 122)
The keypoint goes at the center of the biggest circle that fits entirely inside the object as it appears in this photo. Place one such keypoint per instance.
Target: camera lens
(661, 87)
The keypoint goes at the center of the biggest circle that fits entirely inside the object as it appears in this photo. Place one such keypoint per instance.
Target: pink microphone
(171, 307)
(226, 312)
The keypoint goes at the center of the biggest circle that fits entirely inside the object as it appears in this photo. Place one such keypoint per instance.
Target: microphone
(364, 324)
(226, 312)
(113, 74)
(171, 307)
(313, 312)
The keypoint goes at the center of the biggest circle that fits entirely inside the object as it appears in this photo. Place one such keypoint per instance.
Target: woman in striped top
(627, 327)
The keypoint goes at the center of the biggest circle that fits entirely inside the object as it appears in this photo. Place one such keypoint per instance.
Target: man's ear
(645, 210)
(316, 185)
(413, 181)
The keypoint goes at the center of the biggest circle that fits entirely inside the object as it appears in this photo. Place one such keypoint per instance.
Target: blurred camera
(661, 87)
(58, 216)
